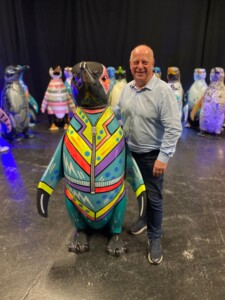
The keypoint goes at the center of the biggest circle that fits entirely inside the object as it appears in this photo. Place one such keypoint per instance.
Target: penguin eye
(104, 78)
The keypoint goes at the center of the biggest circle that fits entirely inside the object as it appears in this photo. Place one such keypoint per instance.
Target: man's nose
(140, 65)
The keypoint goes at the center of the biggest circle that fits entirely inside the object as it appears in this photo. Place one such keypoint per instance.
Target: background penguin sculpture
(195, 92)
(118, 86)
(92, 158)
(212, 104)
(173, 77)
(68, 78)
(4, 119)
(112, 76)
(157, 71)
(33, 105)
(15, 104)
(57, 100)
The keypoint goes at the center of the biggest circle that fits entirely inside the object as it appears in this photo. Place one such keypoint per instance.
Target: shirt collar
(149, 86)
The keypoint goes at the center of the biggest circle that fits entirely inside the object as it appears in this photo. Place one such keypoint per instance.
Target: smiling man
(152, 127)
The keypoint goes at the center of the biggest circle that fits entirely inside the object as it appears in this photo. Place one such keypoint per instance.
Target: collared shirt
(150, 117)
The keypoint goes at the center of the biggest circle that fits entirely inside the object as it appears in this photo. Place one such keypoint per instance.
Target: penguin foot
(4, 149)
(79, 244)
(66, 126)
(53, 127)
(187, 125)
(116, 246)
(201, 133)
(18, 138)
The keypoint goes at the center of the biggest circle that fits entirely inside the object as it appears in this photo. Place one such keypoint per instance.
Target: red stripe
(77, 156)
(108, 188)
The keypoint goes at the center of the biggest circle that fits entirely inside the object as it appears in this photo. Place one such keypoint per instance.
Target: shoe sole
(155, 262)
(139, 231)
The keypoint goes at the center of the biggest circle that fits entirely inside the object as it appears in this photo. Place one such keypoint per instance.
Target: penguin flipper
(42, 202)
(134, 178)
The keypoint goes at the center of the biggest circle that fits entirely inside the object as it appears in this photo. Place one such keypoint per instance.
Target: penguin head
(90, 84)
(14, 72)
(173, 74)
(199, 74)
(68, 72)
(217, 74)
(111, 72)
(120, 73)
(56, 72)
(157, 72)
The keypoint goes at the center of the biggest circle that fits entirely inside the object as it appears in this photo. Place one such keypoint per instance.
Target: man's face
(141, 65)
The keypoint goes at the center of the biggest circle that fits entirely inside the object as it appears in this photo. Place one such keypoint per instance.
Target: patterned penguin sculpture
(212, 104)
(94, 161)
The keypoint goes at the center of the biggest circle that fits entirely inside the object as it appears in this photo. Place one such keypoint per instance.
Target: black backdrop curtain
(46, 33)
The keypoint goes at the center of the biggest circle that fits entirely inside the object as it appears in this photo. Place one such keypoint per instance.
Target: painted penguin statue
(157, 72)
(15, 104)
(173, 77)
(33, 105)
(68, 78)
(57, 100)
(112, 76)
(118, 87)
(4, 119)
(212, 105)
(94, 161)
(195, 92)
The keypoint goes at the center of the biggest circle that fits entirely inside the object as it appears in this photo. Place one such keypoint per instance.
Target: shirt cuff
(163, 157)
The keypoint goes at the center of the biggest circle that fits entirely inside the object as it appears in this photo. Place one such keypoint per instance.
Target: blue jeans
(154, 187)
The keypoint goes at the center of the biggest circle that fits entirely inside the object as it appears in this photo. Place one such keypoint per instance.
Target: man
(152, 127)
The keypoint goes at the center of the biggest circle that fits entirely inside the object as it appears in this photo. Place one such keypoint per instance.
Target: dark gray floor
(35, 263)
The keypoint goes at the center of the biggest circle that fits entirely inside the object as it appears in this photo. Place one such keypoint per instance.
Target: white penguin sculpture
(195, 92)
(118, 86)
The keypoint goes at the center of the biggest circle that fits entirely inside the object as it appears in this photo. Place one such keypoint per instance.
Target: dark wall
(45, 33)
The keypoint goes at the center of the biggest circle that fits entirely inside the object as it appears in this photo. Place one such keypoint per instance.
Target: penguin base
(80, 243)
(116, 246)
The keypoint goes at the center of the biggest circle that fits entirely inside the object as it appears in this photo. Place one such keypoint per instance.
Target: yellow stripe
(109, 206)
(141, 189)
(107, 147)
(45, 187)
(82, 206)
(79, 144)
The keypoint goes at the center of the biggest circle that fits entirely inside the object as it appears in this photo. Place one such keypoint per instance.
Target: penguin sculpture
(57, 100)
(33, 105)
(4, 119)
(157, 72)
(15, 104)
(94, 161)
(112, 76)
(195, 92)
(118, 87)
(212, 104)
(68, 78)
(173, 77)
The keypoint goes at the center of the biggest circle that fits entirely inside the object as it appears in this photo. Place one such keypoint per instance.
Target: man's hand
(159, 168)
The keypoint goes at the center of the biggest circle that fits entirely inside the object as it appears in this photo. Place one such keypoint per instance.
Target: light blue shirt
(150, 117)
